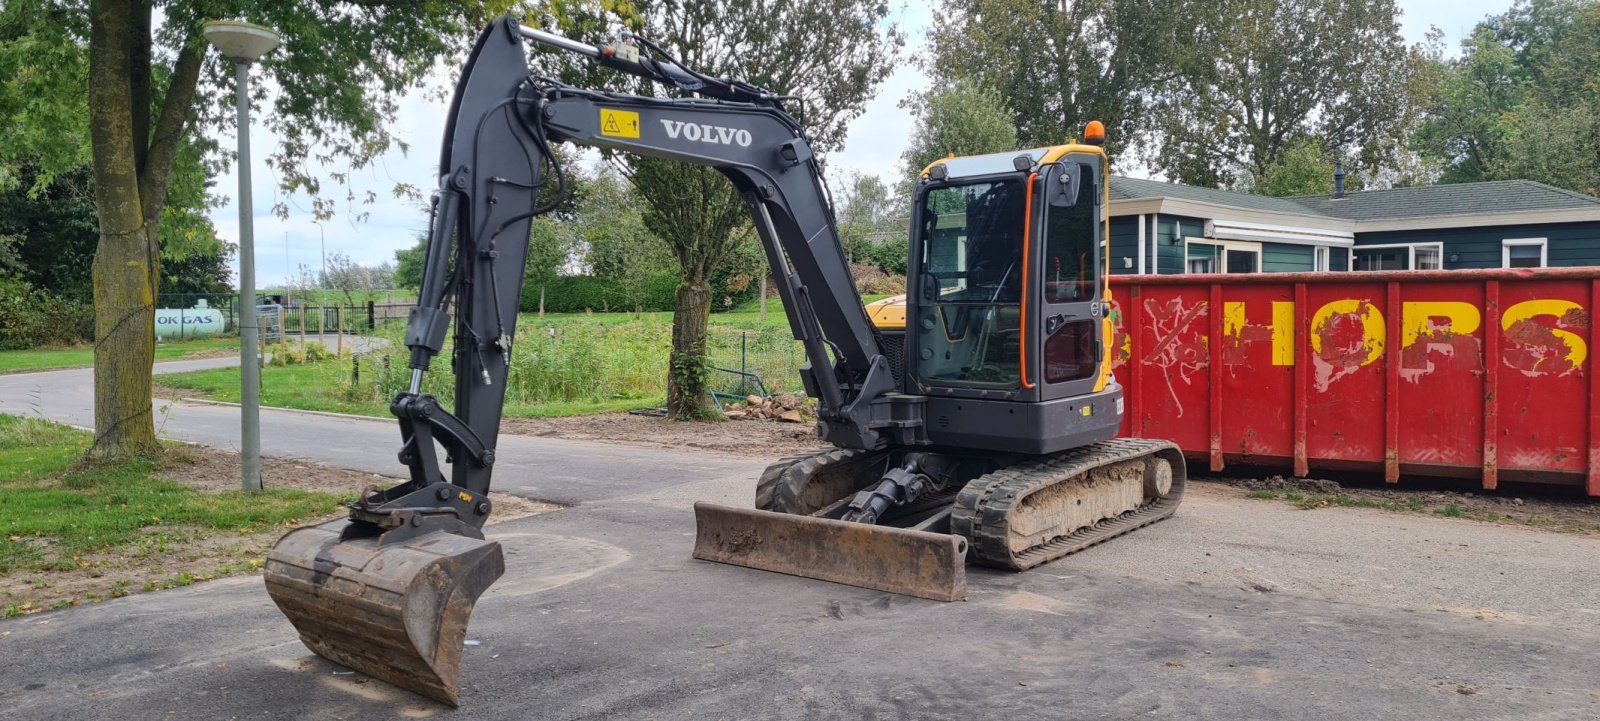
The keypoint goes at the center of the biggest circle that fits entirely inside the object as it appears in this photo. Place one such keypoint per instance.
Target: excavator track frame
(983, 510)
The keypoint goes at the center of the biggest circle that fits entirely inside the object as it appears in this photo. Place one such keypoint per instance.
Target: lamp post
(244, 43)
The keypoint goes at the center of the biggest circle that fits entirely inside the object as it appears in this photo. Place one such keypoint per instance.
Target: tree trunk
(541, 301)
(764, 296)
(689, 376)
(125, 264)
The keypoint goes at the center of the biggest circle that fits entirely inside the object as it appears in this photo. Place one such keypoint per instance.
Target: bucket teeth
(396, 612)
(898, 560)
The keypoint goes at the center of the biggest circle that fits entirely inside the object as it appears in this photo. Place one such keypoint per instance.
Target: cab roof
(993, 163)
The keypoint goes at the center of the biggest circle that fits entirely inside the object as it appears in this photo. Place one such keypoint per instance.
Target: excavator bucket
(898, 560)
(395, 611)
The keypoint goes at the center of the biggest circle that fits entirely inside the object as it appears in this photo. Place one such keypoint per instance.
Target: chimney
(1338, 179)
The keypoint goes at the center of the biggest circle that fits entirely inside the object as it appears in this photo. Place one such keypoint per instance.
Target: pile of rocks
(786, 407)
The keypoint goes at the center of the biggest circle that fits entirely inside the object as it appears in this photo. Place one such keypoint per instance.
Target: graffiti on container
(1540, 337)
(1180, 344)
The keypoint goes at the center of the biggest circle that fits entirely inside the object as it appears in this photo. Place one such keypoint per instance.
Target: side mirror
(1063, 191)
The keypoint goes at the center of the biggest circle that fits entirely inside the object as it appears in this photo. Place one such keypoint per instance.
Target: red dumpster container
(1470, 373)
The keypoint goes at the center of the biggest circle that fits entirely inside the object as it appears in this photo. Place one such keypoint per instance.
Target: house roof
(1461, 204)
(1136, 188)
(1501, 196)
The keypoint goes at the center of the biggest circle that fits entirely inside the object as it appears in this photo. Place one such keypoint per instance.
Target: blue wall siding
(1287, 258)
(1171, 254)
(1124, 244)
(1569, 243)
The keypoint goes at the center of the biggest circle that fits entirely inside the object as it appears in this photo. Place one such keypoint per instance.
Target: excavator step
(898, 560)
(396, 611)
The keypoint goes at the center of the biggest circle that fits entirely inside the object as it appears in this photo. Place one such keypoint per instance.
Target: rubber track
(983, 509)
(783, 484)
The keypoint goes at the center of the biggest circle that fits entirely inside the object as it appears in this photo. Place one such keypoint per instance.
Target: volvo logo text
(703, 133)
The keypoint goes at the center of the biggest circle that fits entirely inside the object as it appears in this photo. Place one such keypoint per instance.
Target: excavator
(981, 429)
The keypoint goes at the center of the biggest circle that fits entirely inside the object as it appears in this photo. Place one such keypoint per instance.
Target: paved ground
(1233, 609)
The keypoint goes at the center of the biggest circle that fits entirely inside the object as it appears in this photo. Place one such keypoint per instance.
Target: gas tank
(200, 321)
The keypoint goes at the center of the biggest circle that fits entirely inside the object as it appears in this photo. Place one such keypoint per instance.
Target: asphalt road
(1233, 609)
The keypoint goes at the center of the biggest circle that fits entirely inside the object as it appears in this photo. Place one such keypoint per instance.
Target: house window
(1221, 256)
(1319, 261)
(1397, 256)
(1524, 253)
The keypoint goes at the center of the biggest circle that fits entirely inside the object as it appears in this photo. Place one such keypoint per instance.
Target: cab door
(1070, 263)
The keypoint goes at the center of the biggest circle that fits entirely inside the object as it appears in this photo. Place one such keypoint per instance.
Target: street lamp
(244, 43)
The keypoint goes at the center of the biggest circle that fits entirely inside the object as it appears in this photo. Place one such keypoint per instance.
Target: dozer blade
(397, 612)
(898, 560)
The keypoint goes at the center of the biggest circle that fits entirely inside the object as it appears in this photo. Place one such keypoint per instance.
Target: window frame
(1411, 253)
(1223, 246)
(1507, 244)
(1321, 259)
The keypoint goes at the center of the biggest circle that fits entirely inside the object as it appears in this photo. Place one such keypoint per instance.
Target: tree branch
(175, 107)
(139, 48)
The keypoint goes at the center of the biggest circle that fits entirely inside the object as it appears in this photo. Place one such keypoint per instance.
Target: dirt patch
(210, 353)
(170, 556)
(1567, 515)
(761, 439)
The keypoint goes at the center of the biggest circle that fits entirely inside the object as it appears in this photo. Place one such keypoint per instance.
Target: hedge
(30, 317)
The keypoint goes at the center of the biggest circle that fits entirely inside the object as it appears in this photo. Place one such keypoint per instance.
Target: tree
(1303, 168)
(1465, 123)
(866, 210)
(830, 55)
(960, 119)
(616, 244)
(340, 74)
(1054, 66)
(1521, 101)
(408, 264)
(1274, 74)
(353, 279)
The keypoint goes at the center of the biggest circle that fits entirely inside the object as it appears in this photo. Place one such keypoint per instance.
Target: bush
(580, 293)
(871, 280)
(30, 317)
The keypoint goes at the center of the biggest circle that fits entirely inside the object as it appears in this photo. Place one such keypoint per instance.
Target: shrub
(31, 317)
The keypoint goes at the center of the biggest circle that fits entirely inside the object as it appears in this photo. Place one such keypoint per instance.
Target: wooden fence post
(338, 319)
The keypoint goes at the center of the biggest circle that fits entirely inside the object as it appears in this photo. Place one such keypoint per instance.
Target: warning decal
(619, 123)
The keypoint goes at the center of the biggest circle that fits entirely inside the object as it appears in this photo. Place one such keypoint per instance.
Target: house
(1499, 224)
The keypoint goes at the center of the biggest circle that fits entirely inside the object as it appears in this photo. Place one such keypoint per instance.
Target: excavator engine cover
(396, 611)
(898, 560)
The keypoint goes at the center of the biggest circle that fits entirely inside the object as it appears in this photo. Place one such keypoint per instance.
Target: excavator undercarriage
(1016, 513)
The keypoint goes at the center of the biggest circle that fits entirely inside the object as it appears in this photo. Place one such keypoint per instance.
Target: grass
(562, 365)
(35, 359)
(62, 515)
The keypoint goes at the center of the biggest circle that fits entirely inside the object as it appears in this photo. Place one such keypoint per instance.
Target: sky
(872, 146)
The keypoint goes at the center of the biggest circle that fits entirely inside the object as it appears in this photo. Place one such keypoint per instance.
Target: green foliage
(892, 255)
(32, 317)
(581, 293)
(961, 119)
(1057, 66)
(1521, 100)
(868, 214)
(1303, 168)
(408, 264)
(1266, 75)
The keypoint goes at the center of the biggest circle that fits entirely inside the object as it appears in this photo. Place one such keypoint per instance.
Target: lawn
(64, 523)
(563, 364)
(35, 359)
